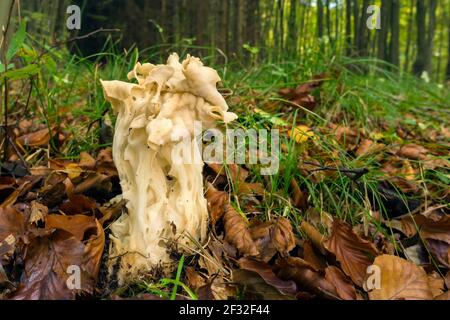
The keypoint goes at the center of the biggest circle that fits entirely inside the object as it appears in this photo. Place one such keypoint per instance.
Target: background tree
(412, 30)
(425, 35)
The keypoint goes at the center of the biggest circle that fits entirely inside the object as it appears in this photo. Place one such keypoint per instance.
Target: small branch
(353, 174)
(5, 124)
(90, 34)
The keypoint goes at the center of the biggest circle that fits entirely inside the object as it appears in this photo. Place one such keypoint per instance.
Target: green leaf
(2, 67)
(21, 73)
(17, 41)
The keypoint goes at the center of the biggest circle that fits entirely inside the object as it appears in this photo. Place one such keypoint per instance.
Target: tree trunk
(348, 26)
(409, 36)
(447, 73)
(361, 34)
(430, 36)
(425, 37)
(419, 64)
(320, 18)
(240, 26)
(328, 18)
(394, 48)
(292, 30)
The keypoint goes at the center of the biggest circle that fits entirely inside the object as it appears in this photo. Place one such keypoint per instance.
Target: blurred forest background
(364, 162)
(414, 34)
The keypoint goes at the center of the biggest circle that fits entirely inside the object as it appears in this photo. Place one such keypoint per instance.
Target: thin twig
(90, 34)
(355, 173)
(5, 124)
(5, 61)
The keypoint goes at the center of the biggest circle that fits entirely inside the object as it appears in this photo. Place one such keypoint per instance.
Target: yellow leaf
(301, 133)
(73, 170)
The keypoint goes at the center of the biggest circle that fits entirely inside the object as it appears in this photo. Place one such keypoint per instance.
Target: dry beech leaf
(312, 258)
(11, 222)
(49, 257)
(221, 289)
(440, 250)
(105, 164)
(436, 284)
(238, 175)
(444, 296)
(45, 273)
(364, 147)
(39, 212)
(93, 251)
(269, 277)
(314, 235)
(300, 200)
(217, 200)
(194, 279)
(447, 280)
(35, 139)
(306, 277)
(354, 253)
(413, 151)
(52, 194)
(436, 233)
(77, 225)
(344, 287)
(7, 248)
(86, 161)
(429, 229)
(249, 188)
(273, 236)
(256, 287)
(78, 204)
(237, 233)
(400, 280)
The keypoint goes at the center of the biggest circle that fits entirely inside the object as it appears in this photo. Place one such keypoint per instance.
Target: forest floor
(363, 183)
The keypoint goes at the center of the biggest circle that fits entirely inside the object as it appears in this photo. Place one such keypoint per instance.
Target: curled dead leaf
(261, 281)
(38, 213)
(314, 235)
(306, 277)
(273, 236)
(217, 200)
(237, 232)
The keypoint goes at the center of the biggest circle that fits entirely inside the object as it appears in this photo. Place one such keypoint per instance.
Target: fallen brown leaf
(287, 288)
(413, 151)
(436, 284)
(78, 204)
(314, 235)
(400, 280)
(11, 222)
(237, 232)
(344, 287)
(273, 236)
(354, 253)
(35, 139)
(306, 277)
(38, 213)
(77, 225)
(217, 200)
(46, 268)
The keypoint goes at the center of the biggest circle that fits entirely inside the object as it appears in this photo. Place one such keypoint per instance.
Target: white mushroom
(165, 198)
